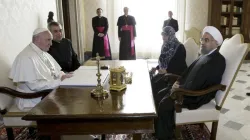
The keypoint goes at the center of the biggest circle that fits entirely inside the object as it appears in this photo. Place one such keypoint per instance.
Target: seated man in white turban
(203, 73)
(35, 70)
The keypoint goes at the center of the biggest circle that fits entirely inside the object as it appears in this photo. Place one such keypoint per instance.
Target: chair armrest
(12, 92)
(177, 94)
(172, 75)
(198, 92)
(170, 78)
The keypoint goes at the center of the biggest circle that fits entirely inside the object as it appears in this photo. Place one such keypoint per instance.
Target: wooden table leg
(10, 133)
(103, 137)
(55, 137)
(136, 136)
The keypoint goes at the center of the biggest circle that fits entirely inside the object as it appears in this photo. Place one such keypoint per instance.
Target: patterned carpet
(188, 132)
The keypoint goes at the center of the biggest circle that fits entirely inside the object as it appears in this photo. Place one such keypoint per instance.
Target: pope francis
(35, 70)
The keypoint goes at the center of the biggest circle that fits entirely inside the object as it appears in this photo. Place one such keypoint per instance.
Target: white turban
(215, 33)
(39, 30)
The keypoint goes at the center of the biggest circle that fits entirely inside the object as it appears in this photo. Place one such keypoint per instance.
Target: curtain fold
(149, 16)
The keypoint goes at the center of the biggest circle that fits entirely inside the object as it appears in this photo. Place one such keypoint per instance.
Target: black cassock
(101, 45)
(65, 55)
(203, 73)
(127, 32)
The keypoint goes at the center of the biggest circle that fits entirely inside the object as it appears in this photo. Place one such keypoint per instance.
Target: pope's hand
(66, 76)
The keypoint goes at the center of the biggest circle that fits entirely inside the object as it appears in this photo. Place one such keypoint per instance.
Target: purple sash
(131, 29)
(106, 41)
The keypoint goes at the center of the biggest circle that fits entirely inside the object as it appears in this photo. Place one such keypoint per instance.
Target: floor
(234, 123)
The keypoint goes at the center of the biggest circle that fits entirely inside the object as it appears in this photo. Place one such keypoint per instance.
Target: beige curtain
(76, 13)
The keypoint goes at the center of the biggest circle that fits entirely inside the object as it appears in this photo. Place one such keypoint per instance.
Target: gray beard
(204, 51)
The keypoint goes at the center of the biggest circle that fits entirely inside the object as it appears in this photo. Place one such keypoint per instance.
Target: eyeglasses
(206, 40)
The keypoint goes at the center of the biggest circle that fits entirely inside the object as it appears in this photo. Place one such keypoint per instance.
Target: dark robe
(203, 73)
(127, 34)
(65, 55)
(50, 20)
(177, 65)
(101, 45)
(171, 22)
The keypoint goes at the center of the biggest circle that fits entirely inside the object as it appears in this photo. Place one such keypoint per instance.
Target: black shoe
(248, 94)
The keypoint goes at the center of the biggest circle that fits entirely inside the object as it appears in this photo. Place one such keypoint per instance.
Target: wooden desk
(72, 111)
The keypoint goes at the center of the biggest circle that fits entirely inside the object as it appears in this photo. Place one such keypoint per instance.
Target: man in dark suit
(203, 73)
(62, 50)
(171, 22)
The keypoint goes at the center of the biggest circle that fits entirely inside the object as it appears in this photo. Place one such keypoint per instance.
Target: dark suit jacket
(201, 74)
(65, 55)
(173, 23)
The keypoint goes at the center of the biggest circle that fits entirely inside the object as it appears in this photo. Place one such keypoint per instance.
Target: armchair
(192, 50)
(234, 51)
(193, 33)
(12, 115)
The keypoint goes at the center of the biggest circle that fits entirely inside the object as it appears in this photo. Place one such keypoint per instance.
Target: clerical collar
(100, 16)
(36, 48)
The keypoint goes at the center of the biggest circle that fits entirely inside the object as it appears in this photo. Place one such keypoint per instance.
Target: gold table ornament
(117, 79)
(99, 92)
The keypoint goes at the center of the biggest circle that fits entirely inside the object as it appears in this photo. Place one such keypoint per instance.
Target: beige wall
(196, 14)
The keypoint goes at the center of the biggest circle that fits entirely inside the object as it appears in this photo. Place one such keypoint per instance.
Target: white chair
(193, 33)
(234, 52)
(192, 50)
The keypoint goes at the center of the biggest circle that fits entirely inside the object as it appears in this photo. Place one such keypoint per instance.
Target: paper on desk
(85, 77)
(88, 68)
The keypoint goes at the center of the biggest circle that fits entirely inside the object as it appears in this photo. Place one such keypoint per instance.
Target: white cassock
(34, 70)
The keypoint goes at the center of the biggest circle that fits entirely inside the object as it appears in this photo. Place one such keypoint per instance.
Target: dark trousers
(165, 122)
(157, 83)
